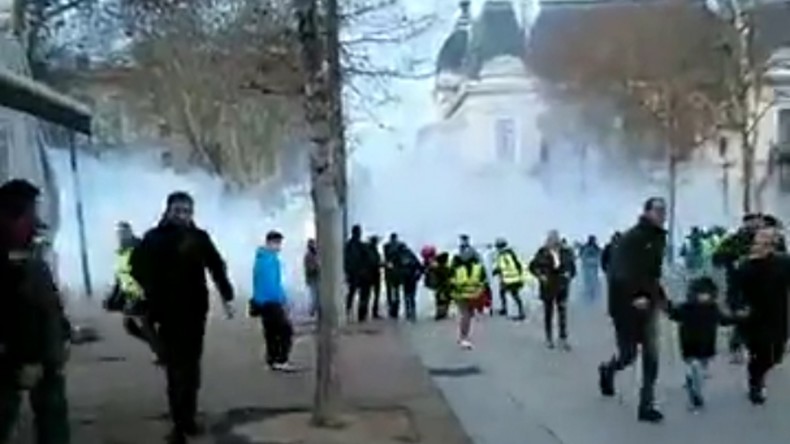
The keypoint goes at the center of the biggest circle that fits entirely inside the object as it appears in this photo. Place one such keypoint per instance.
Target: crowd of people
(161, 290)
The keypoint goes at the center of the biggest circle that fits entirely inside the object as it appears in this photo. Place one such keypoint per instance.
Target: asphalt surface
(512, 389)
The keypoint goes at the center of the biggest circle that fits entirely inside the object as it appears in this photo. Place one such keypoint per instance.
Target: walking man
(356, 258)
(270, 302)
(312, 268)
(635, 300)
(393, 275)
(170, 264)
(511, 273)
(555, 268)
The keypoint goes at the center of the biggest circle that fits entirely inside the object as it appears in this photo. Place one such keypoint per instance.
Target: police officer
(170, 264)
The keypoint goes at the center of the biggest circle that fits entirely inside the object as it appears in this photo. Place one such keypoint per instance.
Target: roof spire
(465, 19)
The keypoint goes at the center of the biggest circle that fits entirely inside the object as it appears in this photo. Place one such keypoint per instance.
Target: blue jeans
(592, 283)
(695, 377)
(312, 293)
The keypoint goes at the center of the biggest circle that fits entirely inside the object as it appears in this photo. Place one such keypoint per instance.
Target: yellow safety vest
(508, 270)
(123, 273)
(468, 285)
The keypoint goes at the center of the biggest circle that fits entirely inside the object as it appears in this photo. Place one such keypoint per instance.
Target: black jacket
(392, 269)
(727, 256)
(635, 267)
(356, 258)
(698, 326)
(764, 285)
(557, 278)
(170, 264)
(33, 325)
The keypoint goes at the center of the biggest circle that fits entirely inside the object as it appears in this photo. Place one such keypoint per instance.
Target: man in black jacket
(555, 268)
(170, 264)
(34, 332)
(393, 275)
(356, 264)
(635, 300)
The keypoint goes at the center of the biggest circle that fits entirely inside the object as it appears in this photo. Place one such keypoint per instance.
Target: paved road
(525, 393)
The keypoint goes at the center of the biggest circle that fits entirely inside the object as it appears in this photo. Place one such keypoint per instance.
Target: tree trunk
(327, 138)
(747, 171)
(673, 197)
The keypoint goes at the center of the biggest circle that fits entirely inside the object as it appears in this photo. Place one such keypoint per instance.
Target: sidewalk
(118, 397)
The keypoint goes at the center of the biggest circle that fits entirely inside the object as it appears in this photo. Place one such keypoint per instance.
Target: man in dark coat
(555, 267)
(393, 275)
(34, 332)
(727, 255)
(411, 272)
(635, 299)
(170, 264)
(606, 253)
(356, 264)
(763, 281)
(375, 264)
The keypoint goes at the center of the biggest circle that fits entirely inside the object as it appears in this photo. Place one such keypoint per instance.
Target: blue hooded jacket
(267, 281)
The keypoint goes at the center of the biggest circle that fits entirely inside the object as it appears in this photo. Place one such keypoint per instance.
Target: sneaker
(502, 313)
(520, 318)
(550, 344)
(650, 414)
(757, 395)
(465, 344)
(565, 345)
(285, 367)
(696, 401)
(606, 381)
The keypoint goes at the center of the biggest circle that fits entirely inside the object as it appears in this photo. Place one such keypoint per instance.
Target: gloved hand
(29, 375)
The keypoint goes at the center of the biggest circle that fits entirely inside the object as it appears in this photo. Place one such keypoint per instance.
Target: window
(783, 128)
(505, 133)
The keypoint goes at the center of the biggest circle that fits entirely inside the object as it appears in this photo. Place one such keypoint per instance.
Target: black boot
(649, 413)
(606, 380)
(757, 395)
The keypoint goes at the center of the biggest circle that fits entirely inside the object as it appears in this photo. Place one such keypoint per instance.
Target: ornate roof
(495, 32)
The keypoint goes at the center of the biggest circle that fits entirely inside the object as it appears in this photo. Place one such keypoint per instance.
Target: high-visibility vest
(508, 269)
(466, 284)
(123, 273)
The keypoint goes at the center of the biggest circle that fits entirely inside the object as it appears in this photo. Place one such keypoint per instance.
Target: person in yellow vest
(136, 321)
(469, 285)
(510, 271)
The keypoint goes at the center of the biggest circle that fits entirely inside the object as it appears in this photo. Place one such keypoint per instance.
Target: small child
(699, 319)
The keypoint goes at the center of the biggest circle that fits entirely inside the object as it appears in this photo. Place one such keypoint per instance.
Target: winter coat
(590, 256)
(554, 278)
(727, 256)
(356, 262)
(375, 263)
(698, 326)
(170, 264)
(635, 268)
(267, 280)
(763, 285)
(33, 325)
(392, 269)
(411, 268)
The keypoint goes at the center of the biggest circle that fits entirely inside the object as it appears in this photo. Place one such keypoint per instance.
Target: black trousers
(375, 289)
(443, 300)
(410, 299)
(630, 334)
(764, 354)
(181, 338)
(394, 290)
(48, 402)
(515, 292)
(277, 332)
(558, 301)
(363, 291)
(143, 329)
